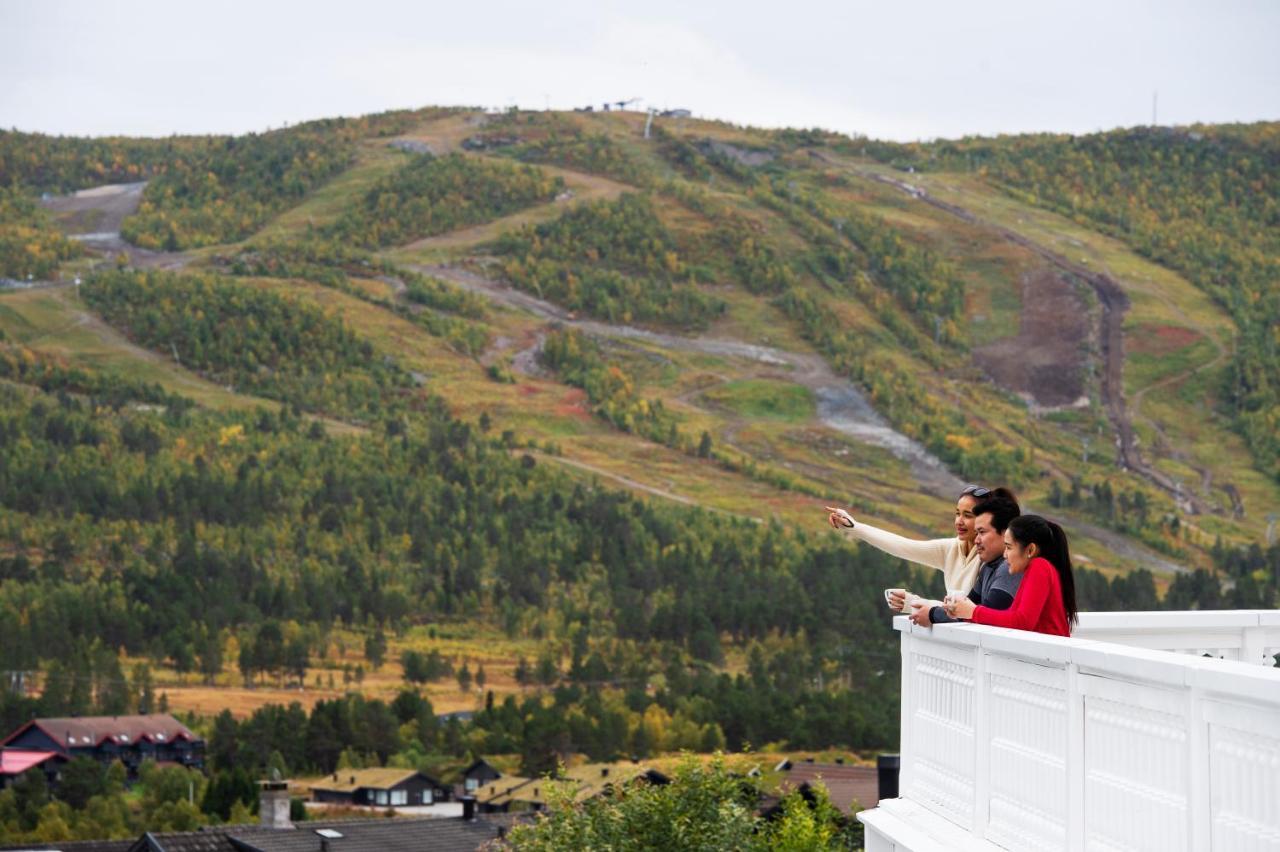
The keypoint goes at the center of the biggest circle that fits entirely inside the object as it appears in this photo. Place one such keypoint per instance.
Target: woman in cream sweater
(955, 557)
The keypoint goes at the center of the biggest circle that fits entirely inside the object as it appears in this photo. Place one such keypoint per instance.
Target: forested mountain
(533, 416)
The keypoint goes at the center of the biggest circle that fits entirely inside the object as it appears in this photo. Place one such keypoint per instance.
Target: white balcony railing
(1017, 740)
(1247, 635)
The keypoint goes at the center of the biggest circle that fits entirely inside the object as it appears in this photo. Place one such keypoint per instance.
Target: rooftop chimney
(273, 803)
(887, 766)
(604, 772)
(468, 808)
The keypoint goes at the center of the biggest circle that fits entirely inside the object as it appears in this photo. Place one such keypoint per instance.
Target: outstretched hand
(839, 518)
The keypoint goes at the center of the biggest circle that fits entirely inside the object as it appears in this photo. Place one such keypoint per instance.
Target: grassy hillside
(557, 397)
(1201, 200)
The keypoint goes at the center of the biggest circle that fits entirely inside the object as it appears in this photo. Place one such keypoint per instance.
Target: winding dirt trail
(580, 189)
(621, 480)
(841, 405)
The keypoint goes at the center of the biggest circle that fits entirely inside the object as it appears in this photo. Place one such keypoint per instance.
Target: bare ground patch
(93, 217)
(574, 404)
(1046, 360)
(97, 210)
(1160, 340)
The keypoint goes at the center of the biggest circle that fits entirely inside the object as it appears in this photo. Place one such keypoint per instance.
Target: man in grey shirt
(994, 587)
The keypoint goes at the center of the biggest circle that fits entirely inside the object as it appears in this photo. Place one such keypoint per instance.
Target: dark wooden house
(129, 739)
(477, 775)
(382, 788)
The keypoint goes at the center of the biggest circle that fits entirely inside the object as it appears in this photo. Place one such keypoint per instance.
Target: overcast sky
(899, 70)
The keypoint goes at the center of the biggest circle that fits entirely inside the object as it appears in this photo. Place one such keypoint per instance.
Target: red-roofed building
(14, 762)
(129, 739)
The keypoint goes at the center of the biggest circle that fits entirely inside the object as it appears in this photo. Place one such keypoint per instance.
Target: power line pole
(1154, 98)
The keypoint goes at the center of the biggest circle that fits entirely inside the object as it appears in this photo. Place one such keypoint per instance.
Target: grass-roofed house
(380, 788)
(510, 794)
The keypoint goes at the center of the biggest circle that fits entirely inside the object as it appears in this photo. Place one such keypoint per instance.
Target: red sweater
(1037, 605)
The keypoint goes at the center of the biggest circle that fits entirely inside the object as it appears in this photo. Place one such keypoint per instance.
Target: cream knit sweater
(958, 570)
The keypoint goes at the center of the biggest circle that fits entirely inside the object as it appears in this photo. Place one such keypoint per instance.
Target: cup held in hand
(891, 594)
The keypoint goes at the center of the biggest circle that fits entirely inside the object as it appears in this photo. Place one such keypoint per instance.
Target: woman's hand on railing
(958, 606)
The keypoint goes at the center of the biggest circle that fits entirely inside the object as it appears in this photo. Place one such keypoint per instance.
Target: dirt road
(841, 405)
(581, 188)
(617, 478)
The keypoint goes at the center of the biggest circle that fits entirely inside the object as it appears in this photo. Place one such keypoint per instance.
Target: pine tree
(464, 678)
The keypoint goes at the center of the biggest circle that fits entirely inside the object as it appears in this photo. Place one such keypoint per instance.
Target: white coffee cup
(906, 598)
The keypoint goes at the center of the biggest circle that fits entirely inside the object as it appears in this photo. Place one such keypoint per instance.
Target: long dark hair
(1052, 543)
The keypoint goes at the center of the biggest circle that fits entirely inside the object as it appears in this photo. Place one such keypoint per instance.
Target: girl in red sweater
(1046, 600)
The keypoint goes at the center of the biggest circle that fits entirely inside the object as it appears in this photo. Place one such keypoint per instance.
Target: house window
(471, 784)
(399, 797)
(380, 797)
(427, 798)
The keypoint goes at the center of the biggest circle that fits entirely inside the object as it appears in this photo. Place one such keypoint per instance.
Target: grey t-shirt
(994, 588)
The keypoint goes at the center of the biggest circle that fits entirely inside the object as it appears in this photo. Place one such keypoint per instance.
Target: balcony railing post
(981, 745)
(1252, 645)
(1075, 766)
(906, 760)
(1199, 815)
